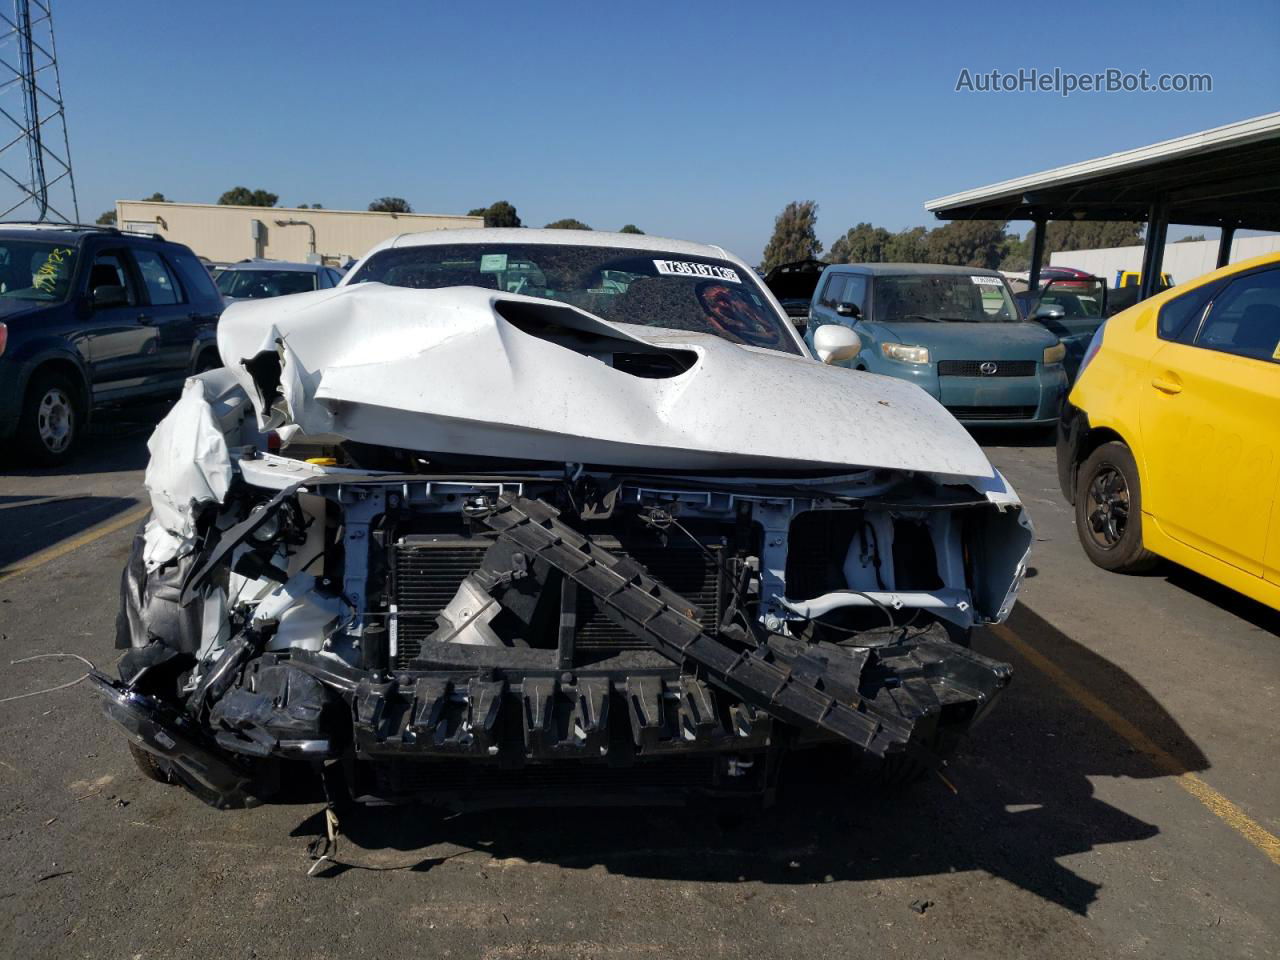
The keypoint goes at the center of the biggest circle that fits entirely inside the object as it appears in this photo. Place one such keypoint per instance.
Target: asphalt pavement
(1123, 799)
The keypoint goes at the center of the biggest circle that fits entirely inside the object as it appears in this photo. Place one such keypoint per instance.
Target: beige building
(227, 233)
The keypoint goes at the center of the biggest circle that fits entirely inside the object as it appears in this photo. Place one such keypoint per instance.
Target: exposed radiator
(426, 573)
(428, 569)
(681, 567)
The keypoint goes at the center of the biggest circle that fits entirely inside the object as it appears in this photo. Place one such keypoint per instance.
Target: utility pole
(36, 181)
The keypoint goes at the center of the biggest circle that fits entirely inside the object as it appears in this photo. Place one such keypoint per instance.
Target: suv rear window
(195, 278)
(161, 287)
(35, 270)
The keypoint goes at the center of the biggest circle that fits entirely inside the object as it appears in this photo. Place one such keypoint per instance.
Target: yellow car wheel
(1109, 511)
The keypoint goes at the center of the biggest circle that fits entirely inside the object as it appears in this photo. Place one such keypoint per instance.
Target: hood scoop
(568, 327)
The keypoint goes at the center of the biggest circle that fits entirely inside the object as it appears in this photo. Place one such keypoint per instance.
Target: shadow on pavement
(41, 507)
(1237, 604)
(1023, 802)
(34, 523)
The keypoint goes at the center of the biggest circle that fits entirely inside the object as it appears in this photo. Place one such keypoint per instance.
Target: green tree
(1017, 254)
(311, 206)
(968, 243)
(499, 214)
(1063, 235)
(107, 219)
(794, 235)
(391, 205)
(244, 197)
(631, 228)
(861, 244)
(907, 246)
(567, 224)
(1192, 238)
(155, 198)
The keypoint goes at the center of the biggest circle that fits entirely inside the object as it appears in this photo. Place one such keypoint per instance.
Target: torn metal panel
(453, 370)
(190, 465)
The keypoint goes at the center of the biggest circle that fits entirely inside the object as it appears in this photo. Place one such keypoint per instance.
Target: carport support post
(1224, 244)
(1153, 249)
(1037, 253)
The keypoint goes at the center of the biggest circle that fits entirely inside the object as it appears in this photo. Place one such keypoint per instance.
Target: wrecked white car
(558, 517)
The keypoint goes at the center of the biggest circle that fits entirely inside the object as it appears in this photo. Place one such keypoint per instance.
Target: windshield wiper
(919, 316)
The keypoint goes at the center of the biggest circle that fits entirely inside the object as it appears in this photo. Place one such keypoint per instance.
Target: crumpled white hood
(442, 370)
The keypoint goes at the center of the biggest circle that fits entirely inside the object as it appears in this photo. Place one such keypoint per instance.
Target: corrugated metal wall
(1182, 261)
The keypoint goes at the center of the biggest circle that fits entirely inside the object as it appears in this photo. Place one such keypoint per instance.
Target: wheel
(209, 360)
(51, 420)
(148, 765)
(1109, 511)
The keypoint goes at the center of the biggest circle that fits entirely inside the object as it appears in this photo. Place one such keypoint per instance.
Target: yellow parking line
(1216, 803)
(75, 543)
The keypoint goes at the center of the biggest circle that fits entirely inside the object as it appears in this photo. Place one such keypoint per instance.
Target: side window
(855, 291)
(1180, 315)
(110, 269)
(161, 286)
(833, 292)
(193, 275)
(335, 277)
(1245, 318)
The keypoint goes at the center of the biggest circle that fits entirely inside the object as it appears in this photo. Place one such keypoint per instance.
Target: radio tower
(35, 154)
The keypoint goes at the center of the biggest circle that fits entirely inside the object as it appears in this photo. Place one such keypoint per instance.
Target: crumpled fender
(150, 607)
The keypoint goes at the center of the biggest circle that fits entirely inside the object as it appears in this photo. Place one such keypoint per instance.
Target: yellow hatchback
(1169, 444)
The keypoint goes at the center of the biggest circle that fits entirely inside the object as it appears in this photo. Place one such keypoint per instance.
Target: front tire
(52, 420)
(1109, 511)
(148, 765)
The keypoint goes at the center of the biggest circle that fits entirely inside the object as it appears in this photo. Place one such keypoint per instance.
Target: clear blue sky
(697, 120)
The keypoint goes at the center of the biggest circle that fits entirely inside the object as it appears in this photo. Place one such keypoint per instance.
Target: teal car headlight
(905, 353)
(1055, 354)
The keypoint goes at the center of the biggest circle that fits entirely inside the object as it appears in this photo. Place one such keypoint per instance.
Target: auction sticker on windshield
(987, 281)
(686, 268)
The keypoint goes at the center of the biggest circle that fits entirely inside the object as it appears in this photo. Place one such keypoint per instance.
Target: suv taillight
(4, 338)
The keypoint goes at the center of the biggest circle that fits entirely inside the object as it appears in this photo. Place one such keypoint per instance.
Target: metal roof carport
(1228, 177)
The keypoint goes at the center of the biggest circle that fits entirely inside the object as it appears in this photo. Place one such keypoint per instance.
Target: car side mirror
(1048, 312)
(848, 310)
(109, 295)
(834, 343)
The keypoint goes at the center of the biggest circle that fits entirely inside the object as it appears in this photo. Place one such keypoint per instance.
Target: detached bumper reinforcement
(809, 685)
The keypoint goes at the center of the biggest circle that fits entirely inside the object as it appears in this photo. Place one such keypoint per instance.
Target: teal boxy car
(955, 331)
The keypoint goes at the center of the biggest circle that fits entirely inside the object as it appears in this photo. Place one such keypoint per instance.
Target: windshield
(30, 270)
(946, 297)
(652, 289)
(257, 284)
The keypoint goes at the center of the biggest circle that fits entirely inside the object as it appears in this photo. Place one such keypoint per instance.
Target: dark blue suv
(91, 316)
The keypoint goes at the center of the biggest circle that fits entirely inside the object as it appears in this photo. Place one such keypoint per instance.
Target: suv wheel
(49, 430)
(1109, 511)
